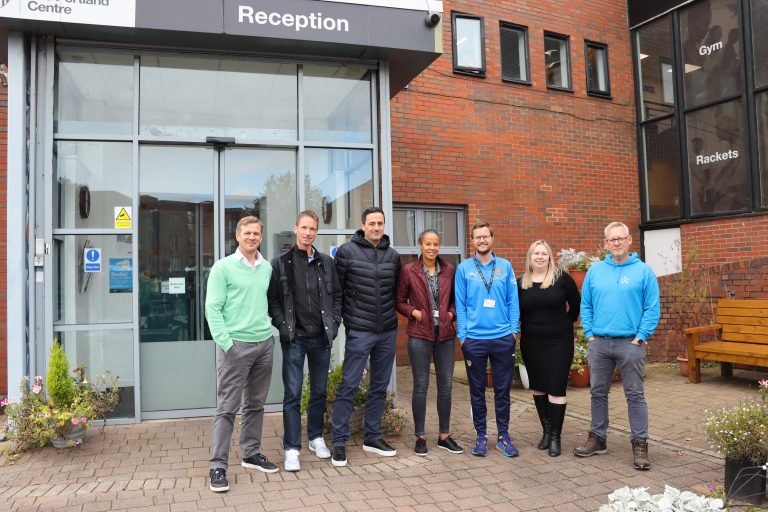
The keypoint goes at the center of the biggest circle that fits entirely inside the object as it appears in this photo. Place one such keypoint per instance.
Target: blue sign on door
(92, 260)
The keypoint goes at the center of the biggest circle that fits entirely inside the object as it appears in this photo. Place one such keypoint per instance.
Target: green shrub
(61, 388)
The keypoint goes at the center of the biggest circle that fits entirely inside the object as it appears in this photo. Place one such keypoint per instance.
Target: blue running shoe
(480, 449)
(505, 446)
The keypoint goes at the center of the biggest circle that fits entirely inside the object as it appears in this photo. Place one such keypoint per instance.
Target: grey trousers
(603, 355)
(244, 367)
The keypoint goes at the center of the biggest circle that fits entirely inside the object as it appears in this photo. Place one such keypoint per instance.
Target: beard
(484, 251)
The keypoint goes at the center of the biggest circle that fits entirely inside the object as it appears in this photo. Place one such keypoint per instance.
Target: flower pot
(71, 439)
(683, 362)
(578, 277)
(489, 379)
(616, 375)
(580, 381)
(744, 481)
(523, 376)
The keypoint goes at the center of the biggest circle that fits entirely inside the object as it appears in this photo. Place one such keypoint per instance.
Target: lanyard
(493, 274)
(434, 287)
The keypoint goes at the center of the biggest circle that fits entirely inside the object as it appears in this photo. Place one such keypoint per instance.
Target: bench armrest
(703, 328)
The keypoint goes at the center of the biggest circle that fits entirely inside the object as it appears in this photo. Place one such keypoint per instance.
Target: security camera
(432, 19)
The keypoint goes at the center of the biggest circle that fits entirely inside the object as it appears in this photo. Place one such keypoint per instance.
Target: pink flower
(75, 421)
(83, 420)
(46, 415)
(36, 389)
(763, 383)
(6, 401)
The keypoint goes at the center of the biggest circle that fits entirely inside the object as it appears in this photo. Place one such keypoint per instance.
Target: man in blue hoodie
(487, 321)
(619, 312)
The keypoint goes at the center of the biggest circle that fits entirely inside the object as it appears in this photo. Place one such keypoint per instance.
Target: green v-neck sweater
(236, 302)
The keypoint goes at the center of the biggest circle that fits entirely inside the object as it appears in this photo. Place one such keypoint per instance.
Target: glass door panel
(261, 182)
(176, 251)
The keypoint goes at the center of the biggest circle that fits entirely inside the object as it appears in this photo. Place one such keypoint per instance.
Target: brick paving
(162, 465)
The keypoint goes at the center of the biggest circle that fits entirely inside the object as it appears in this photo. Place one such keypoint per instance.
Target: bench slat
(745, 329)
(743, 312)
(742, 320)
(735, 337)
(742, 303)
(716, 349)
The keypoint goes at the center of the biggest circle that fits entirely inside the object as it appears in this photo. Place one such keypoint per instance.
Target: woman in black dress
(549, 305)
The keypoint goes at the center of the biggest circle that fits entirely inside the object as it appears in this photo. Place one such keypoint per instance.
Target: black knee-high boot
(542, 407)
(556, 417)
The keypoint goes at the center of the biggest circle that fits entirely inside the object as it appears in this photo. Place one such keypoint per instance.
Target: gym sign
(116, 13)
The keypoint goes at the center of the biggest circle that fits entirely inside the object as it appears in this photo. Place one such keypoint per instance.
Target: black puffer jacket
(368, 277)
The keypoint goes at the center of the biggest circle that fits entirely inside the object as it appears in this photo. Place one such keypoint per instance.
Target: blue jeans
(360, 345)
(501, 353)
(605, 354)
(318, 355)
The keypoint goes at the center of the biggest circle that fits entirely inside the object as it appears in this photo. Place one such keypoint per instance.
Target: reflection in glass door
(179, 243)
(176, 250)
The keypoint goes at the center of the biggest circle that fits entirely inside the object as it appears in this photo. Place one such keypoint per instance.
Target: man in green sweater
(236, 309)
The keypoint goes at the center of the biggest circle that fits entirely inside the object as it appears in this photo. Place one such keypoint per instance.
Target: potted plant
(392, 422)
(740, 433)
(579, 366)
(60, 415)
(576, 263)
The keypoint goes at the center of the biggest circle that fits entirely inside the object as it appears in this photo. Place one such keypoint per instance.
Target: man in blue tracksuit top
(487, 321)
(619, 312)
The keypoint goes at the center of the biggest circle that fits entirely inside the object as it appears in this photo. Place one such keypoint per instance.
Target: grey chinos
(244, 367)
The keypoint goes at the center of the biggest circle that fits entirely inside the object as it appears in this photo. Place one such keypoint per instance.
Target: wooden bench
(742, 338)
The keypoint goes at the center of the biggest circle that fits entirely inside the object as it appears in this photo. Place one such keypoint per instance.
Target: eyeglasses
(616, 241)
(482, 237)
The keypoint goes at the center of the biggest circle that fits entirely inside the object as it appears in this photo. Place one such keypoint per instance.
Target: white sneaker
(318, 446)
(292, 460)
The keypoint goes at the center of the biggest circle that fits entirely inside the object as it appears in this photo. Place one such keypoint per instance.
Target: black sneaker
(421, 447)
(379, 447)
(449, 444)
(339, 458)
(219, 480)
(259, 462)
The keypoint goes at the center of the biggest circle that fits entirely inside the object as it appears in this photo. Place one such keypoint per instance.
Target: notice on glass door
(177, 285)
(120, 275)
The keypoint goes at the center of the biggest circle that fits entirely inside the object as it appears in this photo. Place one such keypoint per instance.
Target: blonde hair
(616, 224)
(552, 271)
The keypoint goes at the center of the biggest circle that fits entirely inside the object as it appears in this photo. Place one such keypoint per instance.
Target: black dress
(547, 332)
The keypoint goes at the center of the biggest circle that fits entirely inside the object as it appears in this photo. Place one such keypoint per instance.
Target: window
(717, 159)
(659, 140)
(410, 221)
(760, 41)
(468, 44)
(710, 39)
(654, 57)
(596, 57)
(514, 53)
(761, 108)
(557, 61)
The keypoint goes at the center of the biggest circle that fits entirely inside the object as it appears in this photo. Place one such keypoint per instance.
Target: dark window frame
(513, 26)
(746, 95)
(466, 70)
(567, 39)
(591, 91)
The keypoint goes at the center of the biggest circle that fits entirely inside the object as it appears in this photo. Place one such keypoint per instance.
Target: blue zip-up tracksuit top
(475, 321)
(620, 299)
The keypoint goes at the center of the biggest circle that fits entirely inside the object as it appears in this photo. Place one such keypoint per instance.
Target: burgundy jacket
(413, 293)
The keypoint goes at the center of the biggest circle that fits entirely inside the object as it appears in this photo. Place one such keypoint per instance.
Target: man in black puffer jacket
(368, 270)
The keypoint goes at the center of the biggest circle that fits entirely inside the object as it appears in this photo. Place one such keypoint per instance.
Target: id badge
(435, 313)
(489, 303)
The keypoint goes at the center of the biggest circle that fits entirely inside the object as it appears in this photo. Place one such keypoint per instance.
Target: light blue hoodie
(620, 299)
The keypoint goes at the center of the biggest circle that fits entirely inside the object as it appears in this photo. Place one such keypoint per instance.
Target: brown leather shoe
(594, 446)
(640, 452)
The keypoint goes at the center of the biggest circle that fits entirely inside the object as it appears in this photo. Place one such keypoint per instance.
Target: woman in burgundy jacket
(425, 297)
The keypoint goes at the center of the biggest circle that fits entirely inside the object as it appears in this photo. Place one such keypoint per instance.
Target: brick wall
(534, 162)
(3, 239)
